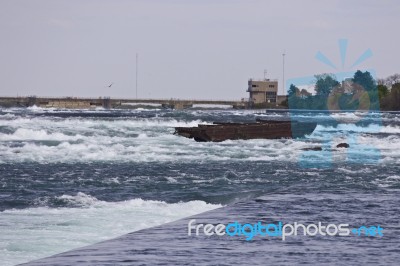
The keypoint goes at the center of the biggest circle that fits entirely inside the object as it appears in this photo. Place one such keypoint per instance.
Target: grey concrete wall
(85, 103)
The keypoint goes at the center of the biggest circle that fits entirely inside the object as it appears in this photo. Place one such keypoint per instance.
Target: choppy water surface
(72, 178)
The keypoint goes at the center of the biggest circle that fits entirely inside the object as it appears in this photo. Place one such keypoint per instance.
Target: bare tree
(391, 80)
(381, 82)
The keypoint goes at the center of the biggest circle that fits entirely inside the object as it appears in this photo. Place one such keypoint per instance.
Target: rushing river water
(73, 178)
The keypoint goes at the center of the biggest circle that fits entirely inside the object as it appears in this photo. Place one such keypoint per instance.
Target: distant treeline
(361, 92)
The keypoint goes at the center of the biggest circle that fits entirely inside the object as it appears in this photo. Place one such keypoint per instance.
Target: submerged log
(318, 148)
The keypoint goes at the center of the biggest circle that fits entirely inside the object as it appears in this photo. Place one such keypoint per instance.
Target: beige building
(263, 91)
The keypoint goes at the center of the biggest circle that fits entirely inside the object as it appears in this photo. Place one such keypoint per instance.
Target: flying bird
(110, 84)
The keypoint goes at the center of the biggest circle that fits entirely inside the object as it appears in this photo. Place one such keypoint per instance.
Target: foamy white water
(52, 139)
(47, 155)
(34, 233)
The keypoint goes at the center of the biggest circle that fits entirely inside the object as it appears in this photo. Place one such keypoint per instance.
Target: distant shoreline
(111, 103)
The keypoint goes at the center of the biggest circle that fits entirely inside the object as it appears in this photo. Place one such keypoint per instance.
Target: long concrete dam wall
(85, 103)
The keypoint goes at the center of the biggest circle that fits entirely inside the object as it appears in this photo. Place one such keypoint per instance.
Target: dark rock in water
(342, 145)
(318, 148)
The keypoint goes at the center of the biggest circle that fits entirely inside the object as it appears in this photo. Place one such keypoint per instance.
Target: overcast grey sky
(187, 49)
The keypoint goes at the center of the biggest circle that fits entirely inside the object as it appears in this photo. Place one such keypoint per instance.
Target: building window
(254, 86)
(270, 96)
(271, 86)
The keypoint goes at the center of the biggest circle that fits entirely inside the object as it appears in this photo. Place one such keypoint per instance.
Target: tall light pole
(137, 58)
(283, 70)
